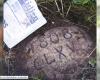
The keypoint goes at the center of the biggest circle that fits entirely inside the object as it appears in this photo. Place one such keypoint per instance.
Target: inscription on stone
(57, 50)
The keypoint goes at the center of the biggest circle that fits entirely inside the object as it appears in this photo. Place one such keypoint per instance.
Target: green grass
(86, 9)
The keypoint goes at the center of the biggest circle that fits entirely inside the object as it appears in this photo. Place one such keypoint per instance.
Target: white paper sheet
(21, 18)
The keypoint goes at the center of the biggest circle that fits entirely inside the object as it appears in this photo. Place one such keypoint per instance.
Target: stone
(58, 54)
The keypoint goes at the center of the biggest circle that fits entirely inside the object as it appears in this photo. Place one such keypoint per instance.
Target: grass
(63, 8)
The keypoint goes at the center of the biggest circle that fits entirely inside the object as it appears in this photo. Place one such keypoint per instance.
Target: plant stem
(68, 10)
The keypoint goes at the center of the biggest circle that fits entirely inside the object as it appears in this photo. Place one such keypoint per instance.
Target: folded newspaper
(21, 18)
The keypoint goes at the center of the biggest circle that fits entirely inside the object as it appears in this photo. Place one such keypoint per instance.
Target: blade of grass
(57, 6)
(62, 7)
(68, 10)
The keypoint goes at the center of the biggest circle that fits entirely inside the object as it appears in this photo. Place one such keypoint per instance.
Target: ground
(59, 13)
